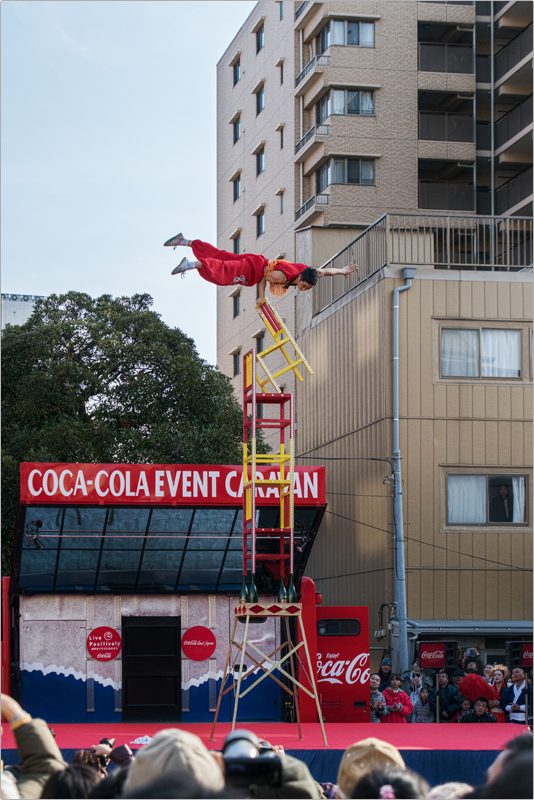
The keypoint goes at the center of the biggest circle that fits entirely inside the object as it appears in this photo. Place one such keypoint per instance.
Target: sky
(109, 148)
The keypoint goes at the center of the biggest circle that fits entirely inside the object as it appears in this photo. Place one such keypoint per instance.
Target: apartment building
(397, 134)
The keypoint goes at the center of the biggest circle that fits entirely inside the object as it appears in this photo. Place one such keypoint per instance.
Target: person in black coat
(479, 713)
(502, 506)
(450, 698)
(514, 697)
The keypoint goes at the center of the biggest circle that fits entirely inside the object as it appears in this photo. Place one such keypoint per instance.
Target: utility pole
(400, 570)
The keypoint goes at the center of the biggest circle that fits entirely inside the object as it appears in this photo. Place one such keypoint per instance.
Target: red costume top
(230, 269)
(392, 698)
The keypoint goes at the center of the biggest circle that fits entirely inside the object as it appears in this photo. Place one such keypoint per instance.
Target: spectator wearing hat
(363, 757)
(449, 698)
(174, 751)
(385, 673)
(456, 677)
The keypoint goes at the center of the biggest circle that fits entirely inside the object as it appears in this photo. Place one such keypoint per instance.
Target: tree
(105, 380)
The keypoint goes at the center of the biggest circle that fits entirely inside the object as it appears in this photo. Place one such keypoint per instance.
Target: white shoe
(176, 240)
(182, 268)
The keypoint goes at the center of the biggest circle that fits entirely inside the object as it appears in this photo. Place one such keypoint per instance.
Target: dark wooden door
(151, 669)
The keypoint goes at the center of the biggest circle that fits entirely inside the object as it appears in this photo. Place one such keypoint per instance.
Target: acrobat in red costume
(229, 269)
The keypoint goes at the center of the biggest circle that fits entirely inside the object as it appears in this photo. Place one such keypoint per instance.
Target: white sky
(109, 148)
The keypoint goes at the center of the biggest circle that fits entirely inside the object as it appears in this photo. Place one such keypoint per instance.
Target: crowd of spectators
(471, 692)
(176, 764)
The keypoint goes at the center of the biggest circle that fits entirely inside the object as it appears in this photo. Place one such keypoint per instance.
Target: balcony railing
(447, 195)
(514, 52)
(315, 200)
(432, 241)
(320, 61)
(514, 191)
(483, 69)
(514, 122)
(448, 127)
(317, 130)
(435, 57)
(300, 9)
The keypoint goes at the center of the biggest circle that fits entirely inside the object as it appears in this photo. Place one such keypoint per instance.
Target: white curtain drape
(366, 103)
(500, 354)
(339, 101)
(367, 34)
(339, 32)
(518, 489)
(459, 353)
(368, 172)
(467, 499)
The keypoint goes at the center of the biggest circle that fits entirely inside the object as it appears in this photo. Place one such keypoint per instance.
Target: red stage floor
(339, 736)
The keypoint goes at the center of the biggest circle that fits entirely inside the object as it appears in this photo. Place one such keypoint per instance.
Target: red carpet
(339, 736)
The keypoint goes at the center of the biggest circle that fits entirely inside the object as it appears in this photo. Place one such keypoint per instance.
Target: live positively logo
(104, 644)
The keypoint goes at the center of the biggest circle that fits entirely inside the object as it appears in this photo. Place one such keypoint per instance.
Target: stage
(440, 753)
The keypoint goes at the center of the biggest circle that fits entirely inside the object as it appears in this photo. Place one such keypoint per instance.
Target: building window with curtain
(237, 363)
(486, 499)
(355, 102)
(237, 129)
(237, 71)
(260, 223)
(237, 245)
(260, 38)
(260, 343)
(260, 161)
(345, 32)
(237, 304)
(237, 187)
(358, 171)
(480, 353)
(260, 99)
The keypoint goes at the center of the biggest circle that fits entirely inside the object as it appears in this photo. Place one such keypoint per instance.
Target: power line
(428, 544)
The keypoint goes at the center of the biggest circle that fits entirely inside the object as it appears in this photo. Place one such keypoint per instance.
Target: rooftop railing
(514, 52)
(319, 130)
(433, 242)
(514, 122)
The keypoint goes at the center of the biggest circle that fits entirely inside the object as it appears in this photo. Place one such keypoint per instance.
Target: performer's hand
(348, 269)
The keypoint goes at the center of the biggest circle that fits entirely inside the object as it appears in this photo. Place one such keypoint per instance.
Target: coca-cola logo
(335, 670)
(198, 643)
(527, 654)
(433, 654)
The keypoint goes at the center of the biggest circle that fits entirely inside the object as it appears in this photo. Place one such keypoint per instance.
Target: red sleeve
(407, 705)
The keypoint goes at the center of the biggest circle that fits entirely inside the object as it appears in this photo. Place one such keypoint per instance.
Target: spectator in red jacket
(398, 703)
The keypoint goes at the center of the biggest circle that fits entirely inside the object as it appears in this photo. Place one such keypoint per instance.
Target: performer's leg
(204, 250)
(178, 240)
(185, 265)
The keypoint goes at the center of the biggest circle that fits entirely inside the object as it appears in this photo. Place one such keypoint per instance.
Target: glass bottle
(282, 593)
(291, 591)
(243, 594)
(253, 592)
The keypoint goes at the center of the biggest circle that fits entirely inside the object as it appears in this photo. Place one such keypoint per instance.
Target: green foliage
(105, 380)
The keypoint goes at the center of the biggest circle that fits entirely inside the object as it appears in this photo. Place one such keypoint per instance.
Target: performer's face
(302, 286)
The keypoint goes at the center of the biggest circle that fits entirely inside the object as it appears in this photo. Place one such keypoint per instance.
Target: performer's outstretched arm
(261, 290)
(329, 272)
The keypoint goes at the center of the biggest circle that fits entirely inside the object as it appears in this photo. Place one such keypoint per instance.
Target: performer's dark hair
(310, 275)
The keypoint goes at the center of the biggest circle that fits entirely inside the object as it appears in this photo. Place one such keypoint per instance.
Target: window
(281, 138)
(237, 130)
(486, 499)
(260, 223)
(237, 363)
(237, 187)
(359, 171)
(338, 627)
(345, 101)
(480, 353)
(281, 10)
(260, 38)
(260, 100)
(282, 203)
(281, 73)
(259, 411)
(260, 343)
(237, 244)
(237, 304)
(237, 71)
(346, 32)
(260, 161)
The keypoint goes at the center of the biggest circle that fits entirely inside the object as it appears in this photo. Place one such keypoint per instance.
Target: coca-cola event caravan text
(157, 484)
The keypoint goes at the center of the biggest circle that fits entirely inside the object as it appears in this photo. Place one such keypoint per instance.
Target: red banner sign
(527, 654)
(157, 484)
(198, 643)
(104, 644)
(433, 655)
